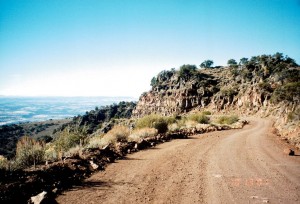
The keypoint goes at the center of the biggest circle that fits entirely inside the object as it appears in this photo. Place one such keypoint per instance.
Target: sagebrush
(29, 152)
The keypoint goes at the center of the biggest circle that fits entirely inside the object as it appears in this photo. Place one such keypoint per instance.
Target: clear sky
(115, 47)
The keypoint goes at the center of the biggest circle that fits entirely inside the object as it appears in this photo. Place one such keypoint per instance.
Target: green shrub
(199, 117)
(186, 71)
(171, 119)
(161, 126)
(68, 139)
(29, 152)
(207, 64)
(228, 120)
(288, 92)
(153, 121)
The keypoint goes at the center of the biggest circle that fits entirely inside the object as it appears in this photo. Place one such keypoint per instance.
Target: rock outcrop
(267, 85)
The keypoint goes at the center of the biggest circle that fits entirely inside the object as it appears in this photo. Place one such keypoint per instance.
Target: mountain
(265, 85)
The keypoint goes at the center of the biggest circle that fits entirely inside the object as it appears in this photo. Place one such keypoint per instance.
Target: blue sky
(115, 47)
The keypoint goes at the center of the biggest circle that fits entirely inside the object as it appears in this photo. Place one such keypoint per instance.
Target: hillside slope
(266, 85)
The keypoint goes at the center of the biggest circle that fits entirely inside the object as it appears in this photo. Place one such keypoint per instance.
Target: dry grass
(198, 117)
(190, 124)
(117, 134)
(174, 127)
(154, 121)
(142, 133)
(4, 163)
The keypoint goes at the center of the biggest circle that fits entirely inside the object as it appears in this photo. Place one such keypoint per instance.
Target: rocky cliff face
(265, 85)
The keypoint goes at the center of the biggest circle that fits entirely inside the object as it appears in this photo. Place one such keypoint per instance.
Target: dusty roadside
(233, 166)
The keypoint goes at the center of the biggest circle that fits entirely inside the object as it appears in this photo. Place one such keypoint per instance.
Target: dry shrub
(142, 133)
(29, 152)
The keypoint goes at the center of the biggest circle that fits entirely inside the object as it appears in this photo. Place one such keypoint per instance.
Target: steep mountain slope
(267, 85)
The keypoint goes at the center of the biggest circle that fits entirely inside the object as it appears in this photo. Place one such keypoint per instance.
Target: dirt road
(234, 166)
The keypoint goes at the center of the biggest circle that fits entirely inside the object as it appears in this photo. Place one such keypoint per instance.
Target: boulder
(39, 198)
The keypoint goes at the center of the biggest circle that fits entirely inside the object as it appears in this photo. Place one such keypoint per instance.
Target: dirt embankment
(234, 166)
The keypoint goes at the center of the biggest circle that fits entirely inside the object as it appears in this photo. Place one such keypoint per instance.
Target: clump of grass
(142, 133)
(228, 120)
(206, 113)
(116, 134)
(199, 118)
(154, 121)
(173, 127)
(182, 122)
(171, 119)
(191, 123)
(4, 163)
(95, 142)
(29, 152)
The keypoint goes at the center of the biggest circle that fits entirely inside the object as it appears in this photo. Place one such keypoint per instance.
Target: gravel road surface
(233, 166)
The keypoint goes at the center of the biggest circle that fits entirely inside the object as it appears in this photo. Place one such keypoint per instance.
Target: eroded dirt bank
(233, 166)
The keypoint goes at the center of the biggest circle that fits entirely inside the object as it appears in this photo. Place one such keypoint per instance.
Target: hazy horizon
(114, 48)
(15, 110)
